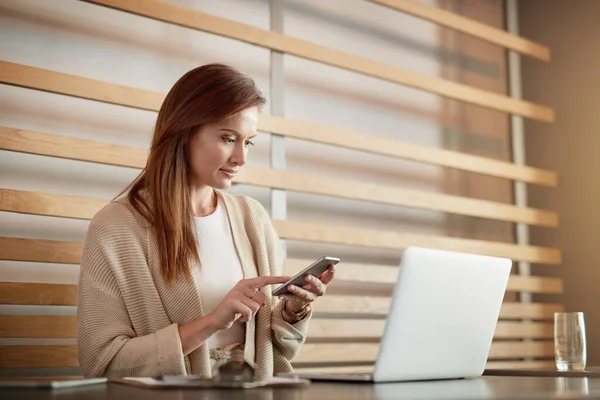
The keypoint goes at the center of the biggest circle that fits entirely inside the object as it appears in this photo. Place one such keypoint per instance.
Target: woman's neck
(204, 201)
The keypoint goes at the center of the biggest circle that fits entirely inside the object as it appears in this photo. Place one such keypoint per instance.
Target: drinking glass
(570, 349)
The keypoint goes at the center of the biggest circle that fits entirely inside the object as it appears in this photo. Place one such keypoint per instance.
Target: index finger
(266, 280)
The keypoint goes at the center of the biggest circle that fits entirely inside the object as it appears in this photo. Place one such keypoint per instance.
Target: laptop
(442, 318)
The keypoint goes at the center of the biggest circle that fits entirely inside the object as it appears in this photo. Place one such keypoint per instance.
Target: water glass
(570, 349)
(571, 388)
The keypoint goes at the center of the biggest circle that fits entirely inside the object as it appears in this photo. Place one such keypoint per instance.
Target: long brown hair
(161, 194)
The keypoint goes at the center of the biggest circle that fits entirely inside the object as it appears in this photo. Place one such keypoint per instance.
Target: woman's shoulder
(118, 216)
(115, 241)
(114, 211)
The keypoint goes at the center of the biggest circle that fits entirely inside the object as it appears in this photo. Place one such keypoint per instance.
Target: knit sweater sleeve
(108, 345)
(287, 338)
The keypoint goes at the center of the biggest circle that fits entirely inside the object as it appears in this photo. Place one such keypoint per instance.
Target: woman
(175, 277)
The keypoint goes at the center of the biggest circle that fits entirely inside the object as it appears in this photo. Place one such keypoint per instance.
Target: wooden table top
(486, 387)
(589, 372)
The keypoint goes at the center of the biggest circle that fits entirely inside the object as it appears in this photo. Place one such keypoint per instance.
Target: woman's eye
(228, 140)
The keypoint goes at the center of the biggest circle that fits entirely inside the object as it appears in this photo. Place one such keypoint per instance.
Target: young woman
(175, 277)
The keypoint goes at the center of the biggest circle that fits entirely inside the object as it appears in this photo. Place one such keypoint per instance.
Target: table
(486, 387)
(589, 372)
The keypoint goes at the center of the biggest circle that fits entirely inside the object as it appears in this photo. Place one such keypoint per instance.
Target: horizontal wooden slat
(304, 231)
(287, 180)
(373, 328)
(39, 294)
(368, 273)
(533, 349)
(469, 27)
(530, 310)
(65, 326)
(535, 284)
(385, 274)
(190, 18)
(336, 304)
(49, 204)
(367, 352)
(519, 364)
(337, 352)
(38, 250)
(393, 148)
(345, 328)
(18, 201)
(84, 207)
(63, 294)
(56, 82)
(38, 356)
(66, 355)
(524, 330)
(71, 148)
(71, 85)
(38, 326)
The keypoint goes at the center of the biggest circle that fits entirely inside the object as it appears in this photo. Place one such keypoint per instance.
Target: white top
(220, 270)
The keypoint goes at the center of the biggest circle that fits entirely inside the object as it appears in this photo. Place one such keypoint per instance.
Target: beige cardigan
(128, 316)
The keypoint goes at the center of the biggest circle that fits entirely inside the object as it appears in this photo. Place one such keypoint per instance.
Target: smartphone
(315, 269)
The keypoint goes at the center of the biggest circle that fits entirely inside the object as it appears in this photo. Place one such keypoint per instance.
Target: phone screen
(315, 269)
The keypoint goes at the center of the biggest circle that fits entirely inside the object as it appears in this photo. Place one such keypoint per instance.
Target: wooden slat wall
(367, 352)
(336, 315)
(65, 326)
(41, 294)
(322, 328)
(305, 231)
(65, 356)
(56, 294)
(386, 274)
(77, 207)
(469, 26)
(19, 249)
(36, 250)
(47, 144)
(39, 250)
(53, 356)
(26, 356)
(66, 295)
(71, 85)
(38, 326)
(376, 145)
(189, 18)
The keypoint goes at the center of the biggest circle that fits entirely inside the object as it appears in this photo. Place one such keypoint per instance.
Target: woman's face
(217, 152)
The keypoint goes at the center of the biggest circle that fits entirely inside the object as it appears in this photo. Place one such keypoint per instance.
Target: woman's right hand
(243, 301)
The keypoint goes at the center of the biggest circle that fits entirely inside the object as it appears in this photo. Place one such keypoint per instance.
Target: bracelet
(300, 315)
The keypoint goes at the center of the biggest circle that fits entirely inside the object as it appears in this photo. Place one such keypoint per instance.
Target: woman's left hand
(314, 288)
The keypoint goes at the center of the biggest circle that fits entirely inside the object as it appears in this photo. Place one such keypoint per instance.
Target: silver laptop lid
(443, 315)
